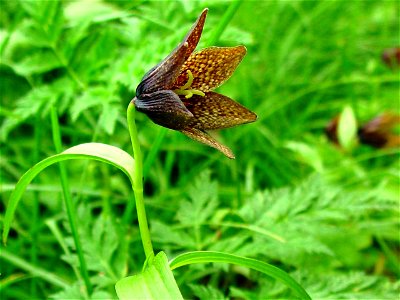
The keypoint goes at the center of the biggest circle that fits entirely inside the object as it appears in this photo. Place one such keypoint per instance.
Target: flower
(391, 57)
(177, 93)
(378, 131)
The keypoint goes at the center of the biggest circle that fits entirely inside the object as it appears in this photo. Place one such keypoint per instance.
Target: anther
(185, 91)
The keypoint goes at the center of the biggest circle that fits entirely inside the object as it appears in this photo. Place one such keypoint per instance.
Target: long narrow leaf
(220, 257)
(95, 151)
(33, 269)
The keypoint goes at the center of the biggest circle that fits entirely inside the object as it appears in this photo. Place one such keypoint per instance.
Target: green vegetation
(327, 215)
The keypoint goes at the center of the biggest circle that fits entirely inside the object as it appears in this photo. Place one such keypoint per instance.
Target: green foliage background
(291, 198)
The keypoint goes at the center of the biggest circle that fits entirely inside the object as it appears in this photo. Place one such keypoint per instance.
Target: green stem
(34, 269)
(223, 23)
(154, 150)
(137, 183)
(69, 203)
(35, 206)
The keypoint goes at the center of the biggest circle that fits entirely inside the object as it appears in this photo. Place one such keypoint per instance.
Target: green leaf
(95, 151)
(102, 97)
(27, 106)
(156, 282)
(101, 240)
(169, 235)
(48, 17)
(28, 267)
(314, 218)
(220, 257)
(203, 201)
(207, 292)
(39, 62)
(38, 101)
(90, 98)
(347, 128)
(74, 291)
(109, 117)
(98, 11)
(306, 154)
(350, 284)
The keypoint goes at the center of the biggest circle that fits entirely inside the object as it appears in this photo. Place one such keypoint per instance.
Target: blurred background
(310, 191)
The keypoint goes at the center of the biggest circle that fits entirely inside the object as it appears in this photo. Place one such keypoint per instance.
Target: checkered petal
(211, 67)
(203, 137)
(216, 111)
(162, 76)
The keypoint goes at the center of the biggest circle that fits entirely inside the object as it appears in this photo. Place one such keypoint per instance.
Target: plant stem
(226, 18)
(137, 183)
(35, 270)
(69, 203)
(35, 207)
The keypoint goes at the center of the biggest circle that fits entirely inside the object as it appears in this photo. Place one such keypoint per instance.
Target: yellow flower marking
(185, 89)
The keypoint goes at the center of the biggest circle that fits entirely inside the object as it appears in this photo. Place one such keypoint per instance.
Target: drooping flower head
(378, 131)
(177, 93)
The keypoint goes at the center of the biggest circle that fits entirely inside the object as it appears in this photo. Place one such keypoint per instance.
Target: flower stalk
(137, 184)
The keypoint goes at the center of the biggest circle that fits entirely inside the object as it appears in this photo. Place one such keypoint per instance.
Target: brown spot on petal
(211, 67)
(216, 111)
(175, 98)
(193, 37)
(205, 138)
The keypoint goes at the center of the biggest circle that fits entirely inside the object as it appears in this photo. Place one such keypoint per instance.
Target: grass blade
(220, 257)
(95, 151)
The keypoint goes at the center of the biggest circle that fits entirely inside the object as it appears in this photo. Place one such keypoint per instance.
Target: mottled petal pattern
(216, 111)
(164, 108)
(203, 137)
(193, 37)
(211, 67)
(163, 76)
(177, 92)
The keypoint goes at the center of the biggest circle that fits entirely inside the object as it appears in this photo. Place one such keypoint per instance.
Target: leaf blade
(221, 257)
(95, 151)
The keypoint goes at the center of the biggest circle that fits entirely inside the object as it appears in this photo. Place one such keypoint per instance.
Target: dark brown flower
(177, 93)
(378, 131)
(391, 57)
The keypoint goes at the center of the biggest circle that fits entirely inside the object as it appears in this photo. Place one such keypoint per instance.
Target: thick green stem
(137, 184)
